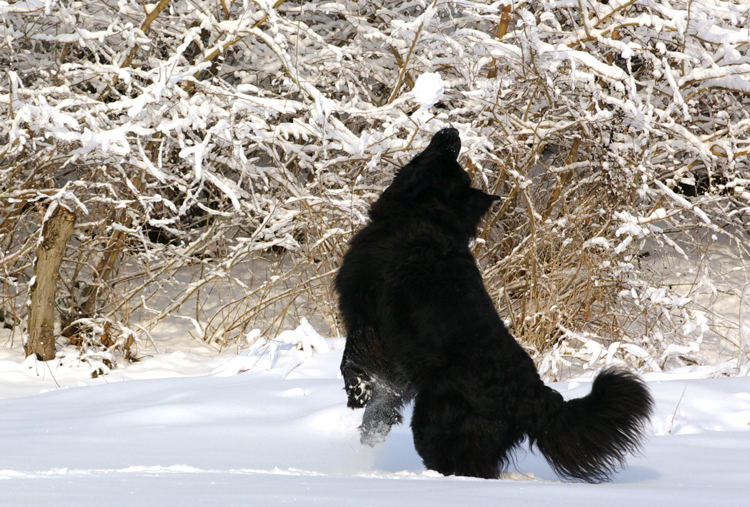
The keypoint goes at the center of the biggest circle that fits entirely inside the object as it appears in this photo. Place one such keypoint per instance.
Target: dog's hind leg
(453, 439)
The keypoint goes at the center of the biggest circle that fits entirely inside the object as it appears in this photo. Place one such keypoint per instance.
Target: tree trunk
(55, 236)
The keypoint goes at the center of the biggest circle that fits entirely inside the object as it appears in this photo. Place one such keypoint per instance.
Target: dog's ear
(485, 201)
(478, 202)
(475, 206)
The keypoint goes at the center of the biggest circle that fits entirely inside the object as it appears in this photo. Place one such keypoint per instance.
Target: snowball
(428, 89)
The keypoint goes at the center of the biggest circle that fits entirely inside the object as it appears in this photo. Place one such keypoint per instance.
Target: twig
(674, 414)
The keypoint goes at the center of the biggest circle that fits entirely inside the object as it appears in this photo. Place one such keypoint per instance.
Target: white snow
(428, 89)
(270, 427)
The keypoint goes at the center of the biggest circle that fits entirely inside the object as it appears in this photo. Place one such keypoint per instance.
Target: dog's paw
(359, 391)
(377, 423)
(374, 432)
(373, 435)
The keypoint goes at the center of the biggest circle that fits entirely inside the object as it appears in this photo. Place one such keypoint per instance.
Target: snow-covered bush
(213, 146)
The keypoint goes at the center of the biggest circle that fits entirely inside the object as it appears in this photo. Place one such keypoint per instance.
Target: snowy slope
(270, 427)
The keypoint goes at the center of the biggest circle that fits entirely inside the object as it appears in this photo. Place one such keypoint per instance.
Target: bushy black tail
(589, 437)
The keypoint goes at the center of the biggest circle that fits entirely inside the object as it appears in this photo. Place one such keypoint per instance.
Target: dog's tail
(588, 438)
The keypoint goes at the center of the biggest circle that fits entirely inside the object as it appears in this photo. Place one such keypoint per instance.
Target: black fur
(420, 325)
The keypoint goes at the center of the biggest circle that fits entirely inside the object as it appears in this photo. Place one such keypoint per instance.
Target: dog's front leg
(383, 410)
(357, 368)
(357, 384)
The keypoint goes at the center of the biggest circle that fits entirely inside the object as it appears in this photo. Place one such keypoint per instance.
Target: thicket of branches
(231, 148)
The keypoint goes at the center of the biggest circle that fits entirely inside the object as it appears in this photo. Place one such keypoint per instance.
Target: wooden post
(55, 236)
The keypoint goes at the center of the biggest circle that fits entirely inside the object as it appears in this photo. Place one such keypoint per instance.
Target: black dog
(420, 325)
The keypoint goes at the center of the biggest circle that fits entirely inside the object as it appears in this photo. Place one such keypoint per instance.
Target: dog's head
(434, 184)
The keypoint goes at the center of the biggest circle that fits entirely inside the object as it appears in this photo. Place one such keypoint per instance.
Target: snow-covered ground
(270, 427)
